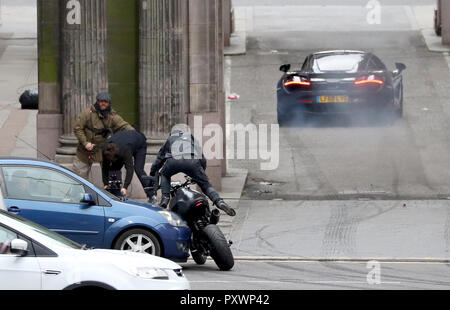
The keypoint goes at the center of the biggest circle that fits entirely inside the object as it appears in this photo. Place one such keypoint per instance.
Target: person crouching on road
(92, 128)
(182, 153)
(129, 148)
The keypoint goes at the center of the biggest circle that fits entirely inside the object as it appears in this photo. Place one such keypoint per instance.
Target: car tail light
(371, 79)
(297, 81)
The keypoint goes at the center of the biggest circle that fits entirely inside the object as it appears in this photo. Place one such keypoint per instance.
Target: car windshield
(108, 194)
(93, 186)
(44, 231)
(337, 62)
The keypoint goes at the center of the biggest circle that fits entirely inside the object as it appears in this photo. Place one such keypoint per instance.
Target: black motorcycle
(207, 238)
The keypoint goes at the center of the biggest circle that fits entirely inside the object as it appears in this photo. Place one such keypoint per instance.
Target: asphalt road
(327, 245)
(345, 192)
(313, 275)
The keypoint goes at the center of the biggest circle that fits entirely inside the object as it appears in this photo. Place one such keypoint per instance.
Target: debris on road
(233, 96)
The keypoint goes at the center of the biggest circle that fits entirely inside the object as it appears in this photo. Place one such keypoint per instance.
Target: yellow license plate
(333, 99)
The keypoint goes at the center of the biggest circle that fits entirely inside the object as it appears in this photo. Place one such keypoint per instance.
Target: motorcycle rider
(182, 153)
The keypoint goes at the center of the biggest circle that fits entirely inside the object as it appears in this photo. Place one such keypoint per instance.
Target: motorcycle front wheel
(199, 258)
(219, 247)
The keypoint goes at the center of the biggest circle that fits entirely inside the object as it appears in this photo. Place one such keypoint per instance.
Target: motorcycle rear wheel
(219, 247)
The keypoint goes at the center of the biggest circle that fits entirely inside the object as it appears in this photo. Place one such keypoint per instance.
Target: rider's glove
(222, 205)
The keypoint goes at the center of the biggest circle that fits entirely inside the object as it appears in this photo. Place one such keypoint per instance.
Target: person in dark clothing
(182, 153)
(125, 148)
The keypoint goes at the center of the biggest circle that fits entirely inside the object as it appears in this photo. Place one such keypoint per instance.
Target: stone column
(163, 68)
(445, 19)
(226, 14)
(84, 67)
(204, 61)
(220, 74)
(49, 117)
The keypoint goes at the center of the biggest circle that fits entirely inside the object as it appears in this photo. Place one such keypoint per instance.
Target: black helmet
(104, 96)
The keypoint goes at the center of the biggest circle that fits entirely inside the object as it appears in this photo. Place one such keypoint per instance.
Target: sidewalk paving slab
(423, 15)
(238, 38)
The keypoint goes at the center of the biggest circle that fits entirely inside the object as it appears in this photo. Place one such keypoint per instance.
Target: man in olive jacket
(92, 128)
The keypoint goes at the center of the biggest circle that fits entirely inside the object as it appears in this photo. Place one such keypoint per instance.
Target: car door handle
(52, 272)
(14, 209)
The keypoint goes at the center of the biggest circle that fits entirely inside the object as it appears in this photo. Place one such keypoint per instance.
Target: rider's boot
(151, 197)
(164, 201)
(149, 184)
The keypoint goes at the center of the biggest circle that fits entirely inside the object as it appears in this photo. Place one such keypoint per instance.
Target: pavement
(18, 19)
(353, 230)
(425, 24)
(420, 16)
(18, 72)
(238, 39)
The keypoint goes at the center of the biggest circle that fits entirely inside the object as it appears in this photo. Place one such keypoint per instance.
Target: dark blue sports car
(340, 81)
(60, 200)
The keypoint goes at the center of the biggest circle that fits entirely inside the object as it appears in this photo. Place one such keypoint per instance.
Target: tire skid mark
(339, 237)
(340, 232)
(263, 242)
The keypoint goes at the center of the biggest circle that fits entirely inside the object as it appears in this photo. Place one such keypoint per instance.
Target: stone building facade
(162, 61)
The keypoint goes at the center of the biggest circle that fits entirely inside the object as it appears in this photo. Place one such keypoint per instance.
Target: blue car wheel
(138, 240)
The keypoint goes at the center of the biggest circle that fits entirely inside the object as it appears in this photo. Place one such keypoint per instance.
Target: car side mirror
(400, 67)
(88, 199)
(19, 247)
(285, 68)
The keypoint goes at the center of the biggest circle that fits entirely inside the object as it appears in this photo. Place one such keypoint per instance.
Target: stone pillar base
(214, 166)
(445, 20)
(49, 129)
(227, 28)
(66, 152)
(154, 145)
(214, 174)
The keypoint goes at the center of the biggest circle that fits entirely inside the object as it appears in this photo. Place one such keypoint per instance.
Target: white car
(33, 257)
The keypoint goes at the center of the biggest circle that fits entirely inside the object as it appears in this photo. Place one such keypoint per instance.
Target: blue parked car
(55, 197)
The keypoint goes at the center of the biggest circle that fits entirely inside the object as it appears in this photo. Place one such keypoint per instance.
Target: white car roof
(339, 51)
